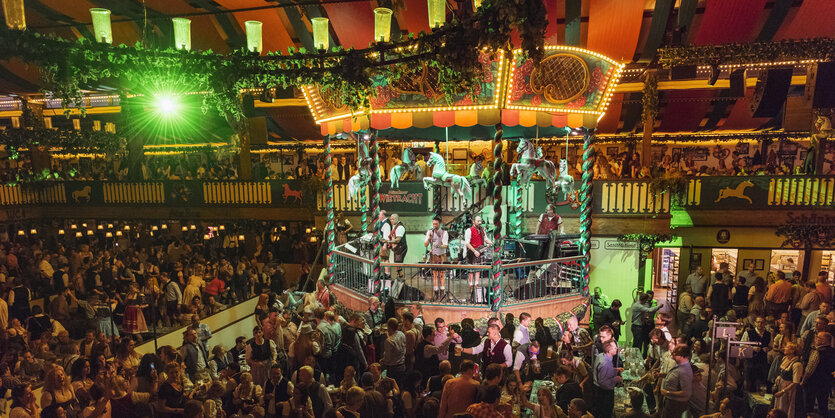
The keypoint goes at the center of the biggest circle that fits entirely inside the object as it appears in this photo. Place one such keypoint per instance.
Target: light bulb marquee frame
(499, 101)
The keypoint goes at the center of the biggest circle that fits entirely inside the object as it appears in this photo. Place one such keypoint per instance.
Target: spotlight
(167, 106)
(714, 75)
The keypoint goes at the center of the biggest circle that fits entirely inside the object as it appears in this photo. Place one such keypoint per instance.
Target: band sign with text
(409, 197)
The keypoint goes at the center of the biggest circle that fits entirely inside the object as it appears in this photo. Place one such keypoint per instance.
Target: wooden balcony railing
(611, 197)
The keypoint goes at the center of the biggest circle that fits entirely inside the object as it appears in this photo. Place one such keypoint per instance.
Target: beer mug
(458, 350)
(550, 352)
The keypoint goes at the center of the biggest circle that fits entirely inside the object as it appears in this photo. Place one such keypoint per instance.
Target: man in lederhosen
(474, 239)
(437, 239)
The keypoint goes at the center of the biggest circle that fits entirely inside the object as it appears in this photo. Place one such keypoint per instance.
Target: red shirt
(215, 287)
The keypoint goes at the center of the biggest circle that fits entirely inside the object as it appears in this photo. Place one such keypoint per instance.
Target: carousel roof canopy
(630, 32)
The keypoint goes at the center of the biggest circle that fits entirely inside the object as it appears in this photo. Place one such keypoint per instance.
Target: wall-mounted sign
(595, 244)
(810, 219)
(723, 236)
(620, 245)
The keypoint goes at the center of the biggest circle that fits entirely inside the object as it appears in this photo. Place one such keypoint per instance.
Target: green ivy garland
(33, 133)
(650, 99)
(69, 66)
(674, 184)
(806, 236)
(748, 53)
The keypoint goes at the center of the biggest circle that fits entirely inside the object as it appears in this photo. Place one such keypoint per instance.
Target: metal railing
(463, 284)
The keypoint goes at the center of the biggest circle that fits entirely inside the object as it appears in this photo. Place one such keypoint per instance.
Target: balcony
(616, 198)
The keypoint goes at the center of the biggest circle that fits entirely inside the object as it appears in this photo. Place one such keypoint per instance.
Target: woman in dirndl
(134, 322)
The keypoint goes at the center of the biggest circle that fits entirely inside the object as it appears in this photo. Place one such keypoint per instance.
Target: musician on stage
(437, 239)
(549, 221)
(475, 241)
(393, 234)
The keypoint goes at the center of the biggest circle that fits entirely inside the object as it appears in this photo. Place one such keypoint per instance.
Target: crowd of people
(309, 356)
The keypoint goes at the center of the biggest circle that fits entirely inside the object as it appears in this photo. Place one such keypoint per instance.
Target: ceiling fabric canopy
(621, 29)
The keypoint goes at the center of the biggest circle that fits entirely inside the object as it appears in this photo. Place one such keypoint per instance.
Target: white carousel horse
(565, 181)
(358, 181)
(530, 163)
(409, 165)
(440, 177)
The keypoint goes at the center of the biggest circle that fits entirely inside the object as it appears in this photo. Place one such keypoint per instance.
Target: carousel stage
(545, 308)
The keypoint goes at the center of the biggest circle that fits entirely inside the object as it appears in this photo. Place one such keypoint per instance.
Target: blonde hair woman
(57, 390)
(247, 394)
(791, 371)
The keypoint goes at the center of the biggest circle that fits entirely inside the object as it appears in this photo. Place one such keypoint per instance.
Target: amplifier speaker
(770, 92)
(410, 293)
(737, 78)
(824, 86)
(683, 72)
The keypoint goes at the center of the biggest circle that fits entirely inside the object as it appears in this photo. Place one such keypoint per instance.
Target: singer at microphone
(437, 240)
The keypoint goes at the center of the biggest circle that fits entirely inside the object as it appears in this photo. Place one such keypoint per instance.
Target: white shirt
(522, 335)
(437, 242)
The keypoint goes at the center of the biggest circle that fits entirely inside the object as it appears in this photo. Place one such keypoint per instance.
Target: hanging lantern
(21, 232)
(78, 234)
(15, 16)
(118, 233)
(253, 36)
(185, 228)
(382, 24)
(60, 232)
(320, 33)
(108, 234)
(437, 13)
(182, 33)
(101, 25)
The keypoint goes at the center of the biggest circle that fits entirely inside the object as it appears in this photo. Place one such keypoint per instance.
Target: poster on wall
(696, 153)
(788, 148)
(695, 261)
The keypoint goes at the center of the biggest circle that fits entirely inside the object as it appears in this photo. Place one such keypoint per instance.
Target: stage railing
(415, 282)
